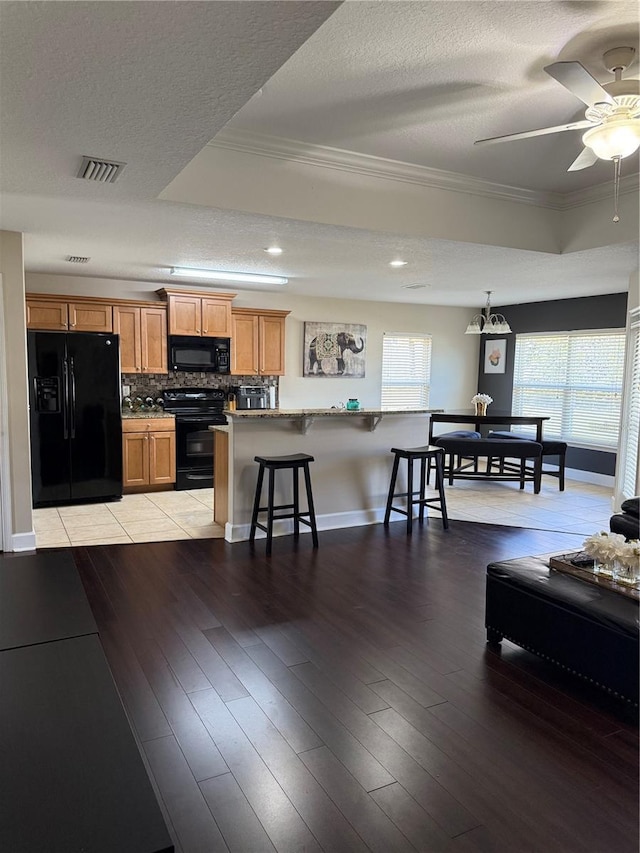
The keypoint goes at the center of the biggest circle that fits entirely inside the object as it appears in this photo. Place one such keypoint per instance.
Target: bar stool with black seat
(427, 454)
(294, 463)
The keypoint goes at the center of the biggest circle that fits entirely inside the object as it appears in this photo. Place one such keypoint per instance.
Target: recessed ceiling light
(222, 275)
(397, 263)
(273, 250)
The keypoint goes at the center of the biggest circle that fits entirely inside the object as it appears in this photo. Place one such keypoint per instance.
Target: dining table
(467, 416)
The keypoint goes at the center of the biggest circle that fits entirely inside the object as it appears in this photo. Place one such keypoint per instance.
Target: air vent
(77, 259)
(103, 171)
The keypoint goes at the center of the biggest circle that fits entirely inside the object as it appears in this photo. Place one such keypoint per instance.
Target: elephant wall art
(334, 349)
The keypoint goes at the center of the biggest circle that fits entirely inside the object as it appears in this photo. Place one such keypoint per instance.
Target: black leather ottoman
(627, 521)
(587, 630)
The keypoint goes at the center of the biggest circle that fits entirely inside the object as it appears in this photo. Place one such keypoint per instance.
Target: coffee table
(586, 629)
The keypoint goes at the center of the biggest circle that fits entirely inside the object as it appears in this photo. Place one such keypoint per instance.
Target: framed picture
(495, 354)
(334, 349)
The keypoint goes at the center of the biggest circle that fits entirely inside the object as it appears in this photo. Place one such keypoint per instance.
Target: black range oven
(195, 409)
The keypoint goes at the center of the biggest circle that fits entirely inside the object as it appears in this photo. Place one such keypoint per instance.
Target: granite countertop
(323, 413)
(146, 414)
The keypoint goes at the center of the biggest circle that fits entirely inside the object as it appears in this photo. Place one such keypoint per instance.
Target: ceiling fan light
(616, 138)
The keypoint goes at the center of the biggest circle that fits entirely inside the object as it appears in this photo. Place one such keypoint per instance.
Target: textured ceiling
(419, 82)
(150, 83)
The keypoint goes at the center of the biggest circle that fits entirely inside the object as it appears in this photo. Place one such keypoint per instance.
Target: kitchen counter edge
(323, 413)
(145, 415)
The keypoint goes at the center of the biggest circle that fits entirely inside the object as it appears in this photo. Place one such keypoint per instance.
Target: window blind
(406, 371)
(576, 379)
(632, 413)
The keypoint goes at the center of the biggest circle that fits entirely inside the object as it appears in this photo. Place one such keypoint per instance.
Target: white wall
(20, 536)
(454, 358)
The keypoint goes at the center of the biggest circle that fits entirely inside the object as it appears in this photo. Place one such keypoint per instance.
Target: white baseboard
(22, 542)
(330, 521)
(589, 477)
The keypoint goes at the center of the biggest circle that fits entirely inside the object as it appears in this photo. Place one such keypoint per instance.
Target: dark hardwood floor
(345, 699)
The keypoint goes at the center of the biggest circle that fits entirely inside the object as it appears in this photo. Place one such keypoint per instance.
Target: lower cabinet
(148, 452)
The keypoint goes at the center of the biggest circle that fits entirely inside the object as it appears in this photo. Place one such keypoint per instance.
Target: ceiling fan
(612, 118)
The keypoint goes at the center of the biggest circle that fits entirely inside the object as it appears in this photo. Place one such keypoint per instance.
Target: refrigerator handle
(65, 398)
(72, 408)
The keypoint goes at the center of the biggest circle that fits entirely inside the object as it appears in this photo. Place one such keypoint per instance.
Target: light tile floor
(582, 508)
(151, 517)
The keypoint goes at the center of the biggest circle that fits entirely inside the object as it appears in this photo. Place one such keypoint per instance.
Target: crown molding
(600, 192)
(325, 157)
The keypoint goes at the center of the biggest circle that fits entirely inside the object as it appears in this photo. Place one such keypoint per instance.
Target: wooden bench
(462, 455)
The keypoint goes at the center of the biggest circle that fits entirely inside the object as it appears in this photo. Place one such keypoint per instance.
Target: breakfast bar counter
(351, 469)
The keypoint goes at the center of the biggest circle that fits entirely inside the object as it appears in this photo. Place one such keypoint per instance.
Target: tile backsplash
(153, 384)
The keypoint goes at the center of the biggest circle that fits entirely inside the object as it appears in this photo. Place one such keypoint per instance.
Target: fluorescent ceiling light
(221, 275)
(397, 263)
(274, 250)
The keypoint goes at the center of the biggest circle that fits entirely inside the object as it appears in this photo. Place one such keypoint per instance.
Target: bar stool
(429, 454)
(294, 463)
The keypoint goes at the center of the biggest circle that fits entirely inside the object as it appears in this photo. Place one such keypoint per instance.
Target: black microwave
(199, 355)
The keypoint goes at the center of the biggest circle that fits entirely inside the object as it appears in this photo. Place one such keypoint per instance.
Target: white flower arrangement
(604, 547)
(482, 398)
(629, 557)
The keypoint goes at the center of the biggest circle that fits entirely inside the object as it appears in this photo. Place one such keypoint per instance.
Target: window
(576, 379)
(628, 459)
(406, 370)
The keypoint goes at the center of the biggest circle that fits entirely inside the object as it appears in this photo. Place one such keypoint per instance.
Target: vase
(481, 409)
(626, 574)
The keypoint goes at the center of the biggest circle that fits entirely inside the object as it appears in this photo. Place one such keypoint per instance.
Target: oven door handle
(201, 420)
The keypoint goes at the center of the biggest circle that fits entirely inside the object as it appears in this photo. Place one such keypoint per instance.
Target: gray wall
(562, 315)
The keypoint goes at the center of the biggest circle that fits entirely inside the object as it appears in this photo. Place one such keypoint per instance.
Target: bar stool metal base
(274, 512)
(425, 454)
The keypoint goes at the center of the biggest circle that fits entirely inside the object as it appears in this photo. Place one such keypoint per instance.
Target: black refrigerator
(74, 408)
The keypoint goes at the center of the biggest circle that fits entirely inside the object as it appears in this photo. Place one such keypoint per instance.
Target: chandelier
(488, 323)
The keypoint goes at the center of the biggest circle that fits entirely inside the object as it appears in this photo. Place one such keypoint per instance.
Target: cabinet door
(153, 336)
(271, 337)
(126, 323)
(162, 457)
(185, 314)
(90, 317)
(135, 459)
(47, 315)
(244, 345)
(216, 318)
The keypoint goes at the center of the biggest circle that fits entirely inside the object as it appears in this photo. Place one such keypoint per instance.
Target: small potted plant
(481, 401)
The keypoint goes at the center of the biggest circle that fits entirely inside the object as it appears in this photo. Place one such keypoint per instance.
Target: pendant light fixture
(487, 323)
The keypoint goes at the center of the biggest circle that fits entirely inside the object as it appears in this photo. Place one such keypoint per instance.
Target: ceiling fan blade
(575, 77)
(573, 125)
(587, 157)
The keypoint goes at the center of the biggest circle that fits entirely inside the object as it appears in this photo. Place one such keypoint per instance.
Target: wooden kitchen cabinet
(143, 338)
(205, 315)
(148, 452)
(258, 342)
(64, 313)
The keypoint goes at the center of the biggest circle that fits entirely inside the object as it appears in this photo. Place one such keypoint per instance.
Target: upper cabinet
(143, 337)
(205, 315)
(258, 342)
(66, 313)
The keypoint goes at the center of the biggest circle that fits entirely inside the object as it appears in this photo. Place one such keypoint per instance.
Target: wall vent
(77, 259)
(97, 169)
